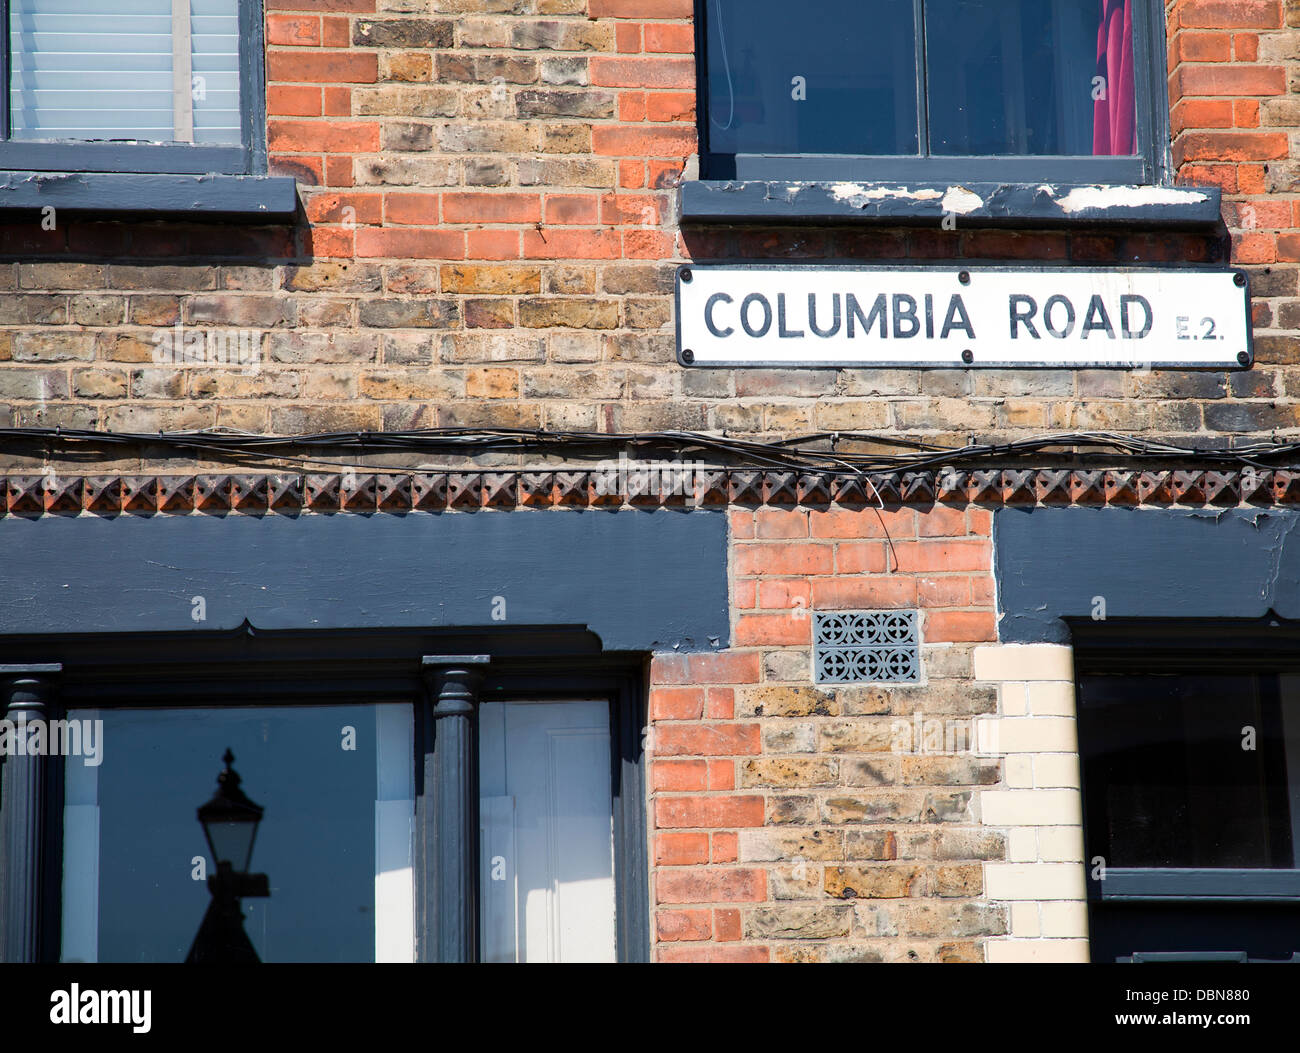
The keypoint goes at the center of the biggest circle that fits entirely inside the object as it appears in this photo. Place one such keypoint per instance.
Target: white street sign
(736, 315)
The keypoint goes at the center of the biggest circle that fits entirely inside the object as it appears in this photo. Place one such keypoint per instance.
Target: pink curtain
(1114, 115)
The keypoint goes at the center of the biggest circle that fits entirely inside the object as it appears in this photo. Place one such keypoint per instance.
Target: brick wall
(489, 237)
(802, 823)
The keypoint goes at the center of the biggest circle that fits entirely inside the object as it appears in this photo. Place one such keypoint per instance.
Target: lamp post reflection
(230, 822)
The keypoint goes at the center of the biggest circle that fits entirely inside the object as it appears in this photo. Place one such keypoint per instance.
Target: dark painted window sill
(116, 194)
(969, 204)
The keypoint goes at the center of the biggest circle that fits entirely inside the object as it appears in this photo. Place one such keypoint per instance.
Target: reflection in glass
(784, 79)
(1028, 77)
(335, 839)
(1191, 771)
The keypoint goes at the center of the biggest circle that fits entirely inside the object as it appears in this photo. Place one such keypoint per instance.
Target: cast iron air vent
(866, 647)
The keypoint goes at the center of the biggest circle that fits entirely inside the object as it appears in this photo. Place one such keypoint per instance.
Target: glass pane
(334, 841)
(85, 70)
(1030, 77)
(1190, 771)
(546, 833)
(836, 79)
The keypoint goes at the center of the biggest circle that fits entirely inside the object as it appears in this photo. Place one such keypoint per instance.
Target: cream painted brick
(1024, 662)
(1031, 808)
(1020, 771)
(1060, 844)
(1017, 881)
(1036, 950)
(1063, 919)
(1024, 920)
(1056, 769)
(1051, 698)
(1022, 844)
(1037, 735)
(1014, 699)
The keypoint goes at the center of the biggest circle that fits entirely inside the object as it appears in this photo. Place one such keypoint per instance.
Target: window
(137, 86)
(1058, 90)
(342, 744)
(1189, 741)
(158, 106)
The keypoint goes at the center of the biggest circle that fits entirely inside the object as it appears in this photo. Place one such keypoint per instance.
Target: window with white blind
(136, 85)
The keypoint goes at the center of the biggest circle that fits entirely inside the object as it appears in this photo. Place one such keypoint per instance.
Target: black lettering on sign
(1023, 309)
(1058, 301)
(749, 301)
(713, 301)
(781, 330)
(1096, 319)
(854, 311)
(905, 312)
(1125, 302)
(957, 319)
(812, 316)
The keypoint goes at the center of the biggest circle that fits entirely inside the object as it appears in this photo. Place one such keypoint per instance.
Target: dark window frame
(93, 155)
(1151, 166)
(288, 667)
(1145, 646)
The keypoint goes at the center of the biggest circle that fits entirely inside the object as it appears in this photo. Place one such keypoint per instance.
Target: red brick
(711, 886)
(722, 775)
(679, 776)
(942, 521)
(608, 72)
(673, 850)
(1204, 47)
(711, 953)
(720, 703)
(670, 106)
(670, 38)
(285, 100)
(631, 106)
(773, 630)
(332, 207)
(647, 245)
(845, 594)
(923, 556)
(719, 813)
(1245, 47)
(627, 37)
(726, 846)
(640, 8)
(742, 523)
(676, 703)
(335, 32)
(491, 208)
(705, 669)
(674, 925)
(1201, 113)
(405, 243)
(1245, 113)
(773, 558)
(631, 175)
(293, 30)
(784, 595)
(1230, 14)
(575, 209)
(960, 627)
(355, 6)
(571, 245)
(743, 594)
(862, 557)
(782, 523)
(411, 209)
(726, 924)
(642, 141)
(943, 592)
(493, 245)
(707, 740)
(356, 67)
(866, 522)
(338, 171)
(338, 102)
(322, 136)
(1230, 80)
(632, 209)
(1231, 146)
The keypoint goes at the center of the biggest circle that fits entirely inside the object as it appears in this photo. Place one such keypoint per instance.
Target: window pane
(546, 832)
(85, 70)
(1190, 771)
(1030, 77)
(784, 79)
(334, 841)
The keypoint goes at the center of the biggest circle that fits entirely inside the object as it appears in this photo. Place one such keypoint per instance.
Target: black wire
(818, 451)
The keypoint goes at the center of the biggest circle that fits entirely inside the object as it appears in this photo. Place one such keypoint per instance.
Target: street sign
(732, 315)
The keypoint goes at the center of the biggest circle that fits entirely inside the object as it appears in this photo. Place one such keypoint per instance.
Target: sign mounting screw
(1239, 279)
(686, 274)
(688, 356)
(964, 277)
(1243, 358)
(968, 357)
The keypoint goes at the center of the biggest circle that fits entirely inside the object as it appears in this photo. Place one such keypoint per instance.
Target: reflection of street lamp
(230, 823)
